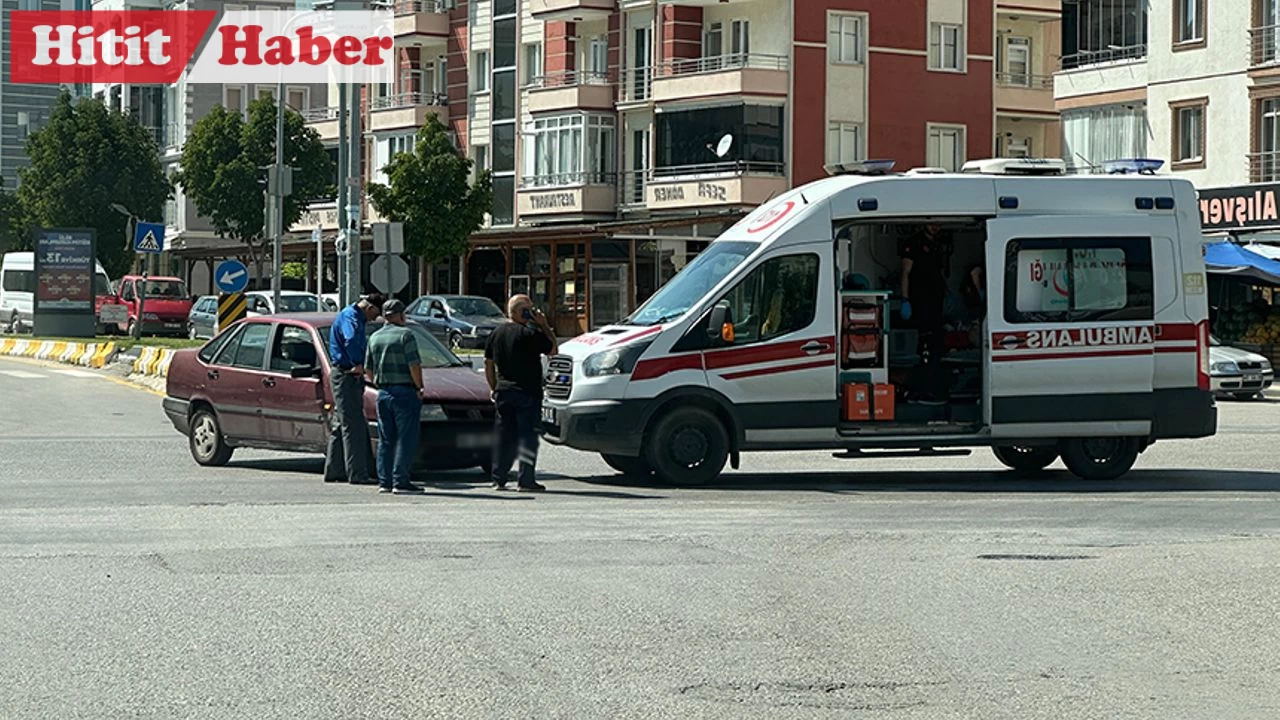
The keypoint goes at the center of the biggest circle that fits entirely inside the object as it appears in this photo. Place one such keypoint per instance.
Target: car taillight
(1202, 355)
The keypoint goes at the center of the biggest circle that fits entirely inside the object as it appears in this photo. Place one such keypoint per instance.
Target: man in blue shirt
(349, 439)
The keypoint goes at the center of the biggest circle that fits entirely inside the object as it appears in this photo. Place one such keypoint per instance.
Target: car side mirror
(720, 325)
(304, 372)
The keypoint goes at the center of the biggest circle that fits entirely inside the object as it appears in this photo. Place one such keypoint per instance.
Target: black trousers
(518, 414)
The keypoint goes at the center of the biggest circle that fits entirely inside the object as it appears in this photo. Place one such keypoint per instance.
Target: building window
(1189, 132)
(24, 124)
(1188, 18)
(947, 147)
(844, 143)
(1265, 163)
(533, 64)
(597, 60)
(384, 151)
(844, 38)
(1056, 280)
(685, 139)
(480, 66)
(1013, 66)
(1092, 136)
(946, 47)
(299, 98)
(571, 150)
(265, 91)
(778, 297)
(233, 98)
(1105, 31)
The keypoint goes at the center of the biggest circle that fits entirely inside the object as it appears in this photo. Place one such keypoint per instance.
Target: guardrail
(722, 63)
(1111, 54)
(413, 7)
(1264, 45)
(1024, 80)
(567, 179)
(1264, 166)
(574, 78)
(319, 114)
(637, 84)
(409, 99)
(733, 167)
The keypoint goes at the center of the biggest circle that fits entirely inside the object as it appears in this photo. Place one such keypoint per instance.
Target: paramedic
(925, 259)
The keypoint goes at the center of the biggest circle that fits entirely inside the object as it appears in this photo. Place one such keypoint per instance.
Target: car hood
(606, 337)
(1223, 353)
(456, 385)
(479, 320)
(167, 308)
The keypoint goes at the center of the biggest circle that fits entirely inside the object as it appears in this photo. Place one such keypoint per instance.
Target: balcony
(418, 20)
(736, 74)
(572, 10)
(406, 110)
(1264, 167)
(323, 120)
(568, 194)
(1264, 47)
(1023, 91)
(715, 185)
(572, 90)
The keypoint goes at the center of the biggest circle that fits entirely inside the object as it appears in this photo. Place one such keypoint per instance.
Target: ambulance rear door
(1071, 331)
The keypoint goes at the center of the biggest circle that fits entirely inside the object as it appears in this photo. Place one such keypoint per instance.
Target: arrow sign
(148, 238)
(231, 276)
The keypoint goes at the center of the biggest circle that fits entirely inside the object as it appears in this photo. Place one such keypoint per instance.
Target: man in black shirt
(513, 367)
(926, 259)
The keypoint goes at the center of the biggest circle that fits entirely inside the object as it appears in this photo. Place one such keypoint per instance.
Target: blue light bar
(1142, 166)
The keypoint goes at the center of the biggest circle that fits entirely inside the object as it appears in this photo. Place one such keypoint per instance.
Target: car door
(780, 371)
(1072, 337)
(293, 408)
(237, 379)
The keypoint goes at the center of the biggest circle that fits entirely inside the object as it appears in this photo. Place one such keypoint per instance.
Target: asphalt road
(134, 584)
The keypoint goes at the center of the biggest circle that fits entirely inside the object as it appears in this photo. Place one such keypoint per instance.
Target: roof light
(1016, 166)
(1141, 166)
(928, 171)
(865, 167)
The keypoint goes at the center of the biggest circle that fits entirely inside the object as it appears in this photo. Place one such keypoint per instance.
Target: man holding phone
(513, 367)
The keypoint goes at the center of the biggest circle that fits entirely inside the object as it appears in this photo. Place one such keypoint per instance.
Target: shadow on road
(980, 481)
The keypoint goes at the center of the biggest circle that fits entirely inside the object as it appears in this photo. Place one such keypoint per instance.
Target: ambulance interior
(891, 380)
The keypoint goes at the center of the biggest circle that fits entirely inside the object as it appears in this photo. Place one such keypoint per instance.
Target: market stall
(1242, 288)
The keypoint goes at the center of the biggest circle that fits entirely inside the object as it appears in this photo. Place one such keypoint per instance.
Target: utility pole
(344, 291)
(354, 196)
(282, 189)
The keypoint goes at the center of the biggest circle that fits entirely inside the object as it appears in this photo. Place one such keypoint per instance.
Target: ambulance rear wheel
(636, 467)
(1105, 458)
(688, 447)
(1025, 458)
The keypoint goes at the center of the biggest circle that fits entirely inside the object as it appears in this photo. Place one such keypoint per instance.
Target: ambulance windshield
(692, 283)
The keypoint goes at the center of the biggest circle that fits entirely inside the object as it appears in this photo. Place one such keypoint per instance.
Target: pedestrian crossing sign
(148, 238)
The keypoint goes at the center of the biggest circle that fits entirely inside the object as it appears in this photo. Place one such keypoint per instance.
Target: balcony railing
(409, 99)
(319, 114)
(1264, 45)
(733, 167)
(637, 84)
(632, 191)
(1113, 53)
(1264, 166)
(413, 7)
(529, 182)
(1024, 80)
(573, 78)
(721, 63)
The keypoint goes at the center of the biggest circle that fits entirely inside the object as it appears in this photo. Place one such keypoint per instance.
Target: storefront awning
(1228, 258)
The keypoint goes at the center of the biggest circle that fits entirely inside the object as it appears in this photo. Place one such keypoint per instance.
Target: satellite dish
(724, 146)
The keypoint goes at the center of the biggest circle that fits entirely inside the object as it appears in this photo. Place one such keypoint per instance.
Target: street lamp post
(130, 224)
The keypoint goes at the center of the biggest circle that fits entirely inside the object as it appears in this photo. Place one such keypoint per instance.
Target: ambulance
(1073, 326)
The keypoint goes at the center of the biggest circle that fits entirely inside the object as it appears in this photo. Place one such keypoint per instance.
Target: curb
(95, 355)
(153, 362)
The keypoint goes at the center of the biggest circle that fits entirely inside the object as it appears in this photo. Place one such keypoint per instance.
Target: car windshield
(430, 351)
(167, 289)
(474, 307)
(692, 283)
(299, 303)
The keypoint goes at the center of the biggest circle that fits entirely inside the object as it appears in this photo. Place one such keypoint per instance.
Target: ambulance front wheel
(1025, 458)
(1104, 458)
(688, 447)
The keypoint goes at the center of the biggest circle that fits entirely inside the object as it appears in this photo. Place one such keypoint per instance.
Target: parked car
(167, 306)
(202, 322)
(264, 383)
(1237, 373)
(330, 301)
(18, 287)
(460, 321)
(262, 302)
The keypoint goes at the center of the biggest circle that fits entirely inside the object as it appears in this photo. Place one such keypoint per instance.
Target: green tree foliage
(431, 192)
(294, 270)
(222, 175)
(84, 160)
(13, 235)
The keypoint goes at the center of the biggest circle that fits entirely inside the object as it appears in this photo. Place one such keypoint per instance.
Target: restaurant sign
(1243, 207)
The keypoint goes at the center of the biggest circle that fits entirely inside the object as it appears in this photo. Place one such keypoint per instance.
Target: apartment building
(623, 135)
(1028, 48)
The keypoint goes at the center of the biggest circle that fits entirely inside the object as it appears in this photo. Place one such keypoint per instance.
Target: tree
(222, 163)
(12, 223)
(431, 193)
(84, 160)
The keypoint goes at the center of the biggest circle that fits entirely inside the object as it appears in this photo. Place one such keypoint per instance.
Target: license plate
(469, 441)
(548, 415)
(1253, 378)
(173, 325)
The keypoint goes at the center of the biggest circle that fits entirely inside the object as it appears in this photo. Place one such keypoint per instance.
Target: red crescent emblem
(772, 217)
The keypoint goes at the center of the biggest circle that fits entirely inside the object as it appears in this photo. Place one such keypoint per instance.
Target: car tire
(455, 342)
(1104, 458)
(1245, 395)
(208, 446)
(687, 447)
(633, 467)
(1023, 458)
(12, 326)
(191, 332)
(129, 331)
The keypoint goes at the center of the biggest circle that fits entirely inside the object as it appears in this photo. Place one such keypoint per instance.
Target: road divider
(96, 355)
(153, 362)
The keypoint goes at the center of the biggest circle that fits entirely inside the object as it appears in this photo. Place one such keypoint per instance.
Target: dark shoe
(366, 481)
(384, 489)
(407, 490)
(498, 486)
(335, 479)
(533, 487)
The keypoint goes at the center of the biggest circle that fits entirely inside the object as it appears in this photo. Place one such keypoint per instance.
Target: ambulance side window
(1050, 280)
(778, 297)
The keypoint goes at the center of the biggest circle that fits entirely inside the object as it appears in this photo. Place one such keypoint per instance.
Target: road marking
(23, 375)
(78, 373)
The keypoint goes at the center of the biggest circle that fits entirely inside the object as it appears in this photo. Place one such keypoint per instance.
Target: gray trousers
(349, 438)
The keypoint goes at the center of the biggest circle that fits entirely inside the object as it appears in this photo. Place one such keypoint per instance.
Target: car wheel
(1025, 459)
(688, 447)
(1104, 458)
(1244, 395)
(208, 447)
(132, 326)
(11, 327)
(636, 467)
(455, 341)
(191, 332)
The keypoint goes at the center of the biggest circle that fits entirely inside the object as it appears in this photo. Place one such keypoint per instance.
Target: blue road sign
(231, 276)
(148, 238)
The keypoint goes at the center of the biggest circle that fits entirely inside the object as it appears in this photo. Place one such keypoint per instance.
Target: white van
(1085, 336)
(18, 287)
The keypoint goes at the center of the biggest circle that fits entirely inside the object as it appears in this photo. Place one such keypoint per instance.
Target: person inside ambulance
(926, 260)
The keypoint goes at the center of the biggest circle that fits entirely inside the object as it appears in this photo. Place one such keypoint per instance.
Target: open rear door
(1071, 321)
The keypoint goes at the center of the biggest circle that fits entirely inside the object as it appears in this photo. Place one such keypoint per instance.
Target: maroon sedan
(264, 383)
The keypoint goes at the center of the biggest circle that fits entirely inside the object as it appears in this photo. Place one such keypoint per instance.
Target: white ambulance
(1069, 320)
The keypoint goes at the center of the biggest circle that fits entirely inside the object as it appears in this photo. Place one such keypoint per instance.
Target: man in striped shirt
(393, 365)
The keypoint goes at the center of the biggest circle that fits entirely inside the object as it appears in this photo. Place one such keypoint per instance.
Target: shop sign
(692, 194)
(1251, 207)
(553, 201)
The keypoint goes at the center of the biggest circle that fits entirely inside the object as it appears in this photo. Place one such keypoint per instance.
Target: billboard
(64, 293)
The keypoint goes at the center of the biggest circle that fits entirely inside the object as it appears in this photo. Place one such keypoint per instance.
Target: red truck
(165, 309)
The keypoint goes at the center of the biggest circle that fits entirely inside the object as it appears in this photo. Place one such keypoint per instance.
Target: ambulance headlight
(615, 361)
(1227, 367)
